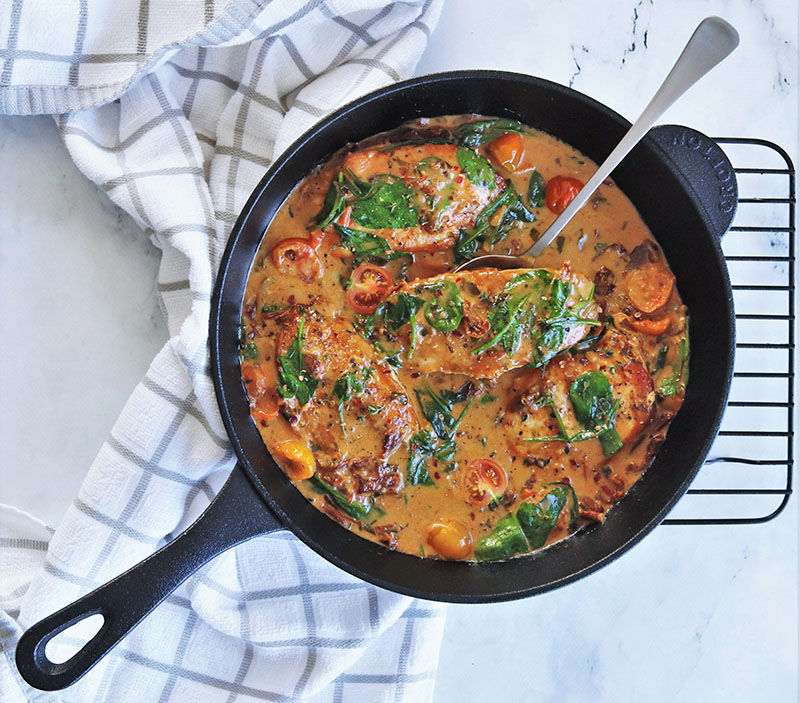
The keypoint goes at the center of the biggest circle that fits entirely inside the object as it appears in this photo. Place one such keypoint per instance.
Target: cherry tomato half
(560, 192)
(450, 538)
(295, 256)
(507, 150)
(484, 480)
(369, 285)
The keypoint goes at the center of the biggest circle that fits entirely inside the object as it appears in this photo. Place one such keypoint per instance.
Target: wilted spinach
(294, 380)
(357, 511)
(474, 134)
(366, 246)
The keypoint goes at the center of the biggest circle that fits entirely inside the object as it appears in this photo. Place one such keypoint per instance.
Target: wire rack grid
(748, 476)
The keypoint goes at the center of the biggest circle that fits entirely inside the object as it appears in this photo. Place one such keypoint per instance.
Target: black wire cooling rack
(748, 476)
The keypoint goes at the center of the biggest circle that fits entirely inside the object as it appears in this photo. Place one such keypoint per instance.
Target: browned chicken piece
(508, 319)
(359, 413)
(448, 201)
(540, 394)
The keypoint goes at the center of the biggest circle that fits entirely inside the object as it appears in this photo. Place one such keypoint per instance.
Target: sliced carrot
(654, 327)
(295, 458)
(649, 287)
(507, 150)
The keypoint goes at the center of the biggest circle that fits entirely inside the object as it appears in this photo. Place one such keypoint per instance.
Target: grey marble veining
(690, 614)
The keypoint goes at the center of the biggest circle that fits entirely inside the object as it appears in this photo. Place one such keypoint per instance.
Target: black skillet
(684, 188)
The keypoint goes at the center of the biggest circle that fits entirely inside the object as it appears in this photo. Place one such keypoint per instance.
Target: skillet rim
(378, 557)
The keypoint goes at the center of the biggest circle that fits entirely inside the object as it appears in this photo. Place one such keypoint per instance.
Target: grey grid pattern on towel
(191, 114)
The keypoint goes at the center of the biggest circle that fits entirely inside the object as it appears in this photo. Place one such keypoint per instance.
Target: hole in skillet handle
(237, 514)
(706, 171)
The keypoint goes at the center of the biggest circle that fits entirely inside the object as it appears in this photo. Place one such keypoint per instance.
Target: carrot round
(507, 150)
(649, 287)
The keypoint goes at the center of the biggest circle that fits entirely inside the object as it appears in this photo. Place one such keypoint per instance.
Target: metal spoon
(711, 42)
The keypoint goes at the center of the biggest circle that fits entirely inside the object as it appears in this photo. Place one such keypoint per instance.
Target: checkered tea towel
(176, 108)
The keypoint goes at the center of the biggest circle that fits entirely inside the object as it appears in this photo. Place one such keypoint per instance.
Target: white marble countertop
(690, 614)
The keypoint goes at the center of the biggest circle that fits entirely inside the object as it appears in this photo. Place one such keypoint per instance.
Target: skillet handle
(707, 173)
(237, 514)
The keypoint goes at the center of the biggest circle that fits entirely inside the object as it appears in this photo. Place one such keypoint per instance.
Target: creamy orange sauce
(606, 249)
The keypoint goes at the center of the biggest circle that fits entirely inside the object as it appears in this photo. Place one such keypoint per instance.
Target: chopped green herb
(249, 351)
(486, 399)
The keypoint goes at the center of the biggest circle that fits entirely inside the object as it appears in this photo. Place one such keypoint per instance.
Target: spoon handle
(711, 42)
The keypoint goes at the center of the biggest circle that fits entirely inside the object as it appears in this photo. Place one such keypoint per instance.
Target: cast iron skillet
(685, 190)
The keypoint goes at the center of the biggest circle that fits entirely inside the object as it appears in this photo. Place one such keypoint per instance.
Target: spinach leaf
(538, 519)
(535, 275)
(673, 384)
(547, 344)
(445, 310)
(424, 446)
(476, 133)
(357, 511)
(595, 409)
(394, 314)
(348, 385)
(515, 211)
(294, 380)
(366, 246)
(536, 190)
(437, 409)
(506, 540)
(478, 170)
(610, 442)
(661, 359)
(332, 206)
(249, 351)
(506, 320)
(388, 205)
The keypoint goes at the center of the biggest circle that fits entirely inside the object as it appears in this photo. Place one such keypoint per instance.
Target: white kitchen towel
(176, 108)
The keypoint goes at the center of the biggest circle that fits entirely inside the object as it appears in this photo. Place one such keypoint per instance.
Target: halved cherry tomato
(485, 480)
(295, 458)
(255, 379)
(369, 285)
(261, 392)
(344, 218)
(647, 326)
(450, 539)
(507, 150)
(295, 256)
(649, 287)
(560, 192)
(315, 237)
